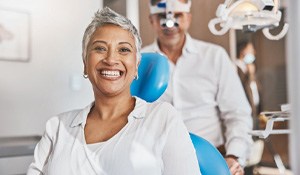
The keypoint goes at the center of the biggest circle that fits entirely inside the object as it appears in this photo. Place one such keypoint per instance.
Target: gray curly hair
(108, 16)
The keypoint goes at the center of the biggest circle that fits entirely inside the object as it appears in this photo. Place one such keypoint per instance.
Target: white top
(206, 89)
(153, 142)
(253, 86)
(95, 146)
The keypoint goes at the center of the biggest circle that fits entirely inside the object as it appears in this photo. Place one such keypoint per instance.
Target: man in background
(204, 86)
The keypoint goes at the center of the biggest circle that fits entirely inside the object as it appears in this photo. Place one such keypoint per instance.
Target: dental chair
(153, 79)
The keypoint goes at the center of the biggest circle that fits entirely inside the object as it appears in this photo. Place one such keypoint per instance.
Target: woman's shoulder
(68, 114)
(164, 106)
(163, 111)
(65, 117)
(69, 117)
(156, 106)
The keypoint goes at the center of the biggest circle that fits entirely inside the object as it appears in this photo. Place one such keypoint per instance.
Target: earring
(136, 77)
(85, 76)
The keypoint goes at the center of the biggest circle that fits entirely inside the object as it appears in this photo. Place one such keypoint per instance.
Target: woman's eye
(98, 48)
(125, 50)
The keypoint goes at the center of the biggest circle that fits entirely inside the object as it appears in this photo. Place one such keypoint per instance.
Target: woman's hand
(234, 166)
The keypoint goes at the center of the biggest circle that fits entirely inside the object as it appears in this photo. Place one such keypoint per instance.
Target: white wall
(32, 92)
(132, 12)
(294, 82)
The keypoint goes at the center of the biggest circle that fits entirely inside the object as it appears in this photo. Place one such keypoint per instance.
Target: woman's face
(111, 60)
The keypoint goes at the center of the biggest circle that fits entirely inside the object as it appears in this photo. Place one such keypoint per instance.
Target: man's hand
(234, 166)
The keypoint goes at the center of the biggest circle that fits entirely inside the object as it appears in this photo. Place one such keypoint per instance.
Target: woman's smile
(110, 74)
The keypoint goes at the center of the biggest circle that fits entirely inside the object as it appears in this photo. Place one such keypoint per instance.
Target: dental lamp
(248, 16)
(169, 7)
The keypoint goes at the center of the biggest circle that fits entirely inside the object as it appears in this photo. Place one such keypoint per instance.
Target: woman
(117, 134)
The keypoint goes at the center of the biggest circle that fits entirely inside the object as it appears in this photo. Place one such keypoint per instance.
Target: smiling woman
(111, 61)
(117, 133)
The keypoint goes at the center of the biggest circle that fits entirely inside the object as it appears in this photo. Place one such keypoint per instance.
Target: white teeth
(109, 73)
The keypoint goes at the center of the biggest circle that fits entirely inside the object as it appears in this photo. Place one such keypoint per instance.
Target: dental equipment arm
(250, 16)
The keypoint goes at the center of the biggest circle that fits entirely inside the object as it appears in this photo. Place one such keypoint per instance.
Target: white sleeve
(44, 148)
(179, 155)
(235, 109)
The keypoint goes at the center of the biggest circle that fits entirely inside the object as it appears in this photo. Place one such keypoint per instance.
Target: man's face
(173, 35)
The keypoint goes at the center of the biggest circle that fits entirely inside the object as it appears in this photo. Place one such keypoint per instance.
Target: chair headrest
(153, 73)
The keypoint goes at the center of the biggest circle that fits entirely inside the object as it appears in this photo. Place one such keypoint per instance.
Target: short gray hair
(108, 16)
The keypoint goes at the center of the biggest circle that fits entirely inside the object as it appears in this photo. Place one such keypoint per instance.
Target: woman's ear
(137, 70)
(84, 67)
(84, 71)
(138, 63)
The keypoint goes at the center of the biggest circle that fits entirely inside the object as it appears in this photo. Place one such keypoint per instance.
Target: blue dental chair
(153, 79)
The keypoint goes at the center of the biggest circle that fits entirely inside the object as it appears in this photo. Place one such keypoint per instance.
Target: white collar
(137, 113)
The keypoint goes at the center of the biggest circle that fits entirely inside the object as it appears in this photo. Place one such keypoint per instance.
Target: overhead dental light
(248, 16)
(169, 8)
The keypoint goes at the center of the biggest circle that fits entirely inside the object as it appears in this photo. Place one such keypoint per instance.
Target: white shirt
(253, 86)
(206, 89)
(153, 142)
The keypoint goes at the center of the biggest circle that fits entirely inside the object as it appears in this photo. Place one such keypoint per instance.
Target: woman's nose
(111, 58)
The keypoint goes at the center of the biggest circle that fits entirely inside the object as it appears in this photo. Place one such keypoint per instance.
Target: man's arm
(235, 110)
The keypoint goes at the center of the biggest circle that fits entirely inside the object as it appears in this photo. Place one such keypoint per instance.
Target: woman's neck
(113, 107)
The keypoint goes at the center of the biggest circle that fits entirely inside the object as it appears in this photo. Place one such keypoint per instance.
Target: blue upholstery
(211, 162)
(152, 82)
(153, 78)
